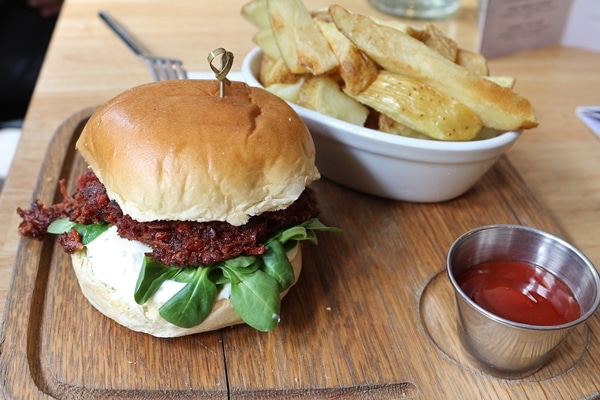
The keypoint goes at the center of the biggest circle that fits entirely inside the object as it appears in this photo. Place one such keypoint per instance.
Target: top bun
(176, 150)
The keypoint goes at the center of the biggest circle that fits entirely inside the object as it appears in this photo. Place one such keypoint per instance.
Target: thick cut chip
(266, 41)
(440, 42)
(420, 107)
(287, 91)
(388, 125)
(474, 62)
(274, 70)
(498, 107)
(504, 81)
(300, 41)
(255, 12)
(323, 94)
(356, 69)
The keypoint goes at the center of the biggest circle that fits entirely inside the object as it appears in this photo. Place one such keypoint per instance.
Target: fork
(161, 68)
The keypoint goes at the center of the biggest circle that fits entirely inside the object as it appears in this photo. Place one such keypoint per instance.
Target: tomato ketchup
(521, 292)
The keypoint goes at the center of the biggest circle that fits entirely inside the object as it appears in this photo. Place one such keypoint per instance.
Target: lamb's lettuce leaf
(192, 304)
(87, 232)
(256, 281)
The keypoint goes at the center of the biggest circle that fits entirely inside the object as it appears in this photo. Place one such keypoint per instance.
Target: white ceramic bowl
(392, 166)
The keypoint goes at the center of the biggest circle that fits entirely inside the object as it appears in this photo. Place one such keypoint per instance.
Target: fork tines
(163, 69)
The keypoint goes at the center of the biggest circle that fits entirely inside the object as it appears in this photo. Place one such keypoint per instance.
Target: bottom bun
(122, 308)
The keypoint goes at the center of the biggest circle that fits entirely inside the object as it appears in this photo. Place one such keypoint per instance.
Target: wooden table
(558, 162)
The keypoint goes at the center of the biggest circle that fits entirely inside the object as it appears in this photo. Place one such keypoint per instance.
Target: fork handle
(122, 33)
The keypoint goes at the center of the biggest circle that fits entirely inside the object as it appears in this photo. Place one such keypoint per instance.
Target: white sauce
(117, 262)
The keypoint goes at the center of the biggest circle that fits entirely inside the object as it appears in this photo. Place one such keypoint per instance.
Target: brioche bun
(176, 150)
(122, 308)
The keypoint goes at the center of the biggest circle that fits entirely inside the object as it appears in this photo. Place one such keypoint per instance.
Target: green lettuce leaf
(255, 297)
(87, 232)
(192, 304)
(256, 281)
(151, 276)
(277, 265)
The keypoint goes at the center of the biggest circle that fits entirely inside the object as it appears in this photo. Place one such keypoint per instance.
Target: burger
(191, 214)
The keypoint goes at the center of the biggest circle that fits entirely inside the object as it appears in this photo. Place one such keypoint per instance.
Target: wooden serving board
(372, 315)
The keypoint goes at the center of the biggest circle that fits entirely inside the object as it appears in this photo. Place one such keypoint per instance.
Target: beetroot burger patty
(173, 243)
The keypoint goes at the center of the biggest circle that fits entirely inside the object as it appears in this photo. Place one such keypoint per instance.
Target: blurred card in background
(516, 25)
(583, 26)
(589, 116)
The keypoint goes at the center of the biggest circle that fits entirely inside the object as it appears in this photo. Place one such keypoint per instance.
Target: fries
(410, 82)
(302, 46)
(420, 107)
(386, 124)
(323, 94)
(255, 12)
(356, 69)
(439, 42)
(499, 108)
(474, 62)
(274, 70)
(504, 81)
(266, 41)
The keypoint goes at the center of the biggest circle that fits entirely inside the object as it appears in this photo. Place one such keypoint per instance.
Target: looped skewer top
(226, 63)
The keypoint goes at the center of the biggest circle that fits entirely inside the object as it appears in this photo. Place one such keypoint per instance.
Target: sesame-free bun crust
(122, 308)
(176, 150)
